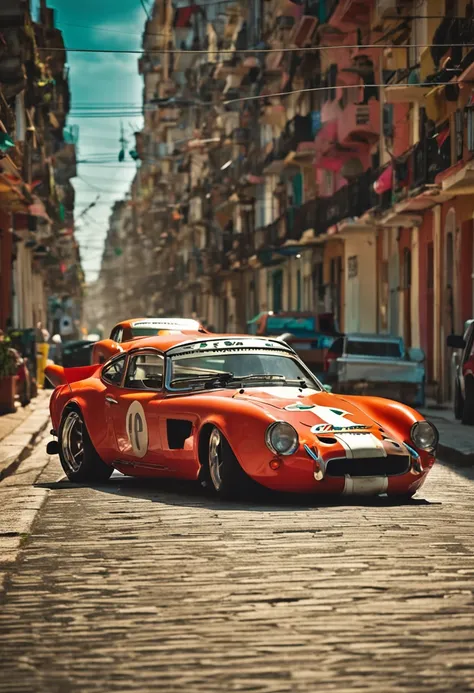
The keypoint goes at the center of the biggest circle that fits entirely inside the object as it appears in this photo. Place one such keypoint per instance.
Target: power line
(253, 51)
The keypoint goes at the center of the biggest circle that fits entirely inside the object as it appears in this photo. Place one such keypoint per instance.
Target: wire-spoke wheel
(223, 469)
(79, 458)
(72, 443)
(215, 459)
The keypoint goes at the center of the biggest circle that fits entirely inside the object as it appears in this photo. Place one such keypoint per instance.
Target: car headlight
(281, 438)
(424, 435)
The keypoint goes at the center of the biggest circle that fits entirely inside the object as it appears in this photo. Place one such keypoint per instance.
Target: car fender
(396, 418)
(102, 351)
(245, 434)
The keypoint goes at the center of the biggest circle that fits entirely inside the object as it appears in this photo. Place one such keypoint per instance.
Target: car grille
(378, 466)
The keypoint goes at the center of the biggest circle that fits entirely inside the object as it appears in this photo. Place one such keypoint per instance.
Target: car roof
(167, 342)
(161, 323)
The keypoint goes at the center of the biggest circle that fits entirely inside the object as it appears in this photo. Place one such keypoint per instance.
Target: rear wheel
(78, 456)
(458, 400)
(468, 408)
(225, 473)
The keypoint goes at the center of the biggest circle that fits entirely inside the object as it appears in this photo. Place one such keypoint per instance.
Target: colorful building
(311, 156)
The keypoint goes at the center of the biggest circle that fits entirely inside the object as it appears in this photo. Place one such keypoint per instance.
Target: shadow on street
(190, 493)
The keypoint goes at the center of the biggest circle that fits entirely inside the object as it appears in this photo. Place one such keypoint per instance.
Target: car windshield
(232, 368)
(381, 349)
(144, 331)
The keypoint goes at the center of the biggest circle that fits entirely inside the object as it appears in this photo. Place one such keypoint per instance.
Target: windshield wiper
(207, 378)
(267, 377)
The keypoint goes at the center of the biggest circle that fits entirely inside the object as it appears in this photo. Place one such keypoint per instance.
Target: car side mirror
(327, 388)
(455, 341)
(416, 355)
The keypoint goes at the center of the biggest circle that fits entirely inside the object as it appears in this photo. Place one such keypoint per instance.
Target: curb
(15, 447)
(454, 457)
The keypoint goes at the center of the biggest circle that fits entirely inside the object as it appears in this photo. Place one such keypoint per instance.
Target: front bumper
(305, 473)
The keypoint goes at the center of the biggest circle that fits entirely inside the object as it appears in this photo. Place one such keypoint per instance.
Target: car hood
(308, 407)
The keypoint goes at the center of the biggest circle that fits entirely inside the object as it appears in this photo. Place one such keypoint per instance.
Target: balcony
(350, 14)
(359, 123)
(406, 93)
(385, 9)
(304, 28)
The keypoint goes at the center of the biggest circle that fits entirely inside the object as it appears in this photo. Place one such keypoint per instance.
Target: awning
(182, 16)
(384, 181)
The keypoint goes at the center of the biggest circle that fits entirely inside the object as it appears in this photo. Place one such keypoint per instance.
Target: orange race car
(232, 411)
(127, 330)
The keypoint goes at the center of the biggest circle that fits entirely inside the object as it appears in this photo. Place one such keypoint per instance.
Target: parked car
(127, 330)
(309, 334)
(235, 412)
(464, 378)
(76, 353)
(377, 365)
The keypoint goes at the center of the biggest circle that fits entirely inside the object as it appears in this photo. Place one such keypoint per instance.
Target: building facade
(310, 156)
(40, 270)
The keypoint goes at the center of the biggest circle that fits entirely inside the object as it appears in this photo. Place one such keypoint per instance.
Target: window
(145, 372)
(113, 372)
(382, 349)
(117, 334)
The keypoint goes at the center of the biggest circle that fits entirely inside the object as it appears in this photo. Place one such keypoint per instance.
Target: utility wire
(253, 51)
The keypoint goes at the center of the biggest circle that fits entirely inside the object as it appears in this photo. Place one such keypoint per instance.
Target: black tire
(458, 400)
(224, 473)
(468, 408)
(78, 457)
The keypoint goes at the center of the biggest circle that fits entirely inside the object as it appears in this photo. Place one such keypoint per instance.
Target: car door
(134, 409)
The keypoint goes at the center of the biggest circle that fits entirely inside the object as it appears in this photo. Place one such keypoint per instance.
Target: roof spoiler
(57, 375)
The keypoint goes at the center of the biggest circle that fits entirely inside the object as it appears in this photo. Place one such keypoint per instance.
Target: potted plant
(8, 369)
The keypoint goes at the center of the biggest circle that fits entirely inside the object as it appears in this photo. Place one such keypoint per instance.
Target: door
(277, 291)
(430, 310)
(134, 411)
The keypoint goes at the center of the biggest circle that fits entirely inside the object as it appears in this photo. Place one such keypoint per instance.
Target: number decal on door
(137, 429)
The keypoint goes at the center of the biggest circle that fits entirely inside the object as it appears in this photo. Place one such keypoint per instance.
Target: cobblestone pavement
(145, 586)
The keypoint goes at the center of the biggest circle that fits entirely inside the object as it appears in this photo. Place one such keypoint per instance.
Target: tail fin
(58, 375)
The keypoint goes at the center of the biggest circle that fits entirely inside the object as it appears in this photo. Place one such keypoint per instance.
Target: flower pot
(7, 394)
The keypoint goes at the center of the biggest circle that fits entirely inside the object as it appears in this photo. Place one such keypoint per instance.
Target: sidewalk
(456, 442)
(19, 431)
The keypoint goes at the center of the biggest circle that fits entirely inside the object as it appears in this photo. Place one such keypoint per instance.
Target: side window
(145, 372)
(114, 371)
(116, 334)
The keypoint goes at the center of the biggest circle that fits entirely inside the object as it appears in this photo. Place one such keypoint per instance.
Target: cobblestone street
(140, 586)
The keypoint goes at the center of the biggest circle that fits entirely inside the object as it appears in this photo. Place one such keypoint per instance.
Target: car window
(380, 349)
(113, 372)
(145, 372)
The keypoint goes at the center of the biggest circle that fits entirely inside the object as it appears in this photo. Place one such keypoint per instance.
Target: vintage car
(234, 412)
(127, 330)
(464, 377)
(378, 365)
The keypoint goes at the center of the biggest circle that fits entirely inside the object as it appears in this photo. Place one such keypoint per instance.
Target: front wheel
(225, 473)
(78, 456)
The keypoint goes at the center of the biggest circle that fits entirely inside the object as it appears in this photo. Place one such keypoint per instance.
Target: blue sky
(101, 80)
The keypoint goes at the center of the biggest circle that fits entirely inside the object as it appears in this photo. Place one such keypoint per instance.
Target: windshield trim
(195, 388)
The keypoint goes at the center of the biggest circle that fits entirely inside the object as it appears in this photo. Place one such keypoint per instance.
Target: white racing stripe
(359, 445)
(365, 485)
